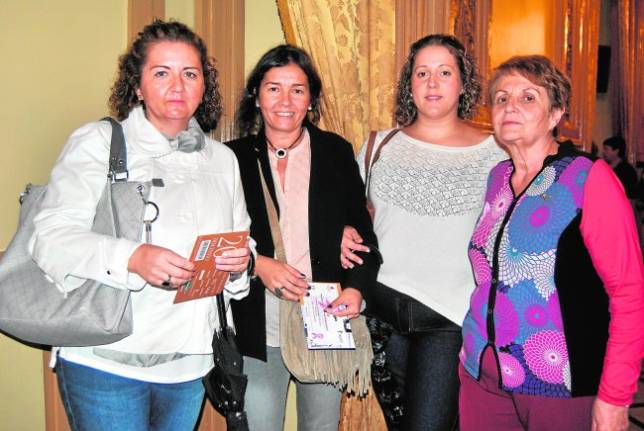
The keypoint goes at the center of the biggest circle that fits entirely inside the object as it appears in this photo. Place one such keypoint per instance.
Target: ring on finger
(167, 282)
(279, 292)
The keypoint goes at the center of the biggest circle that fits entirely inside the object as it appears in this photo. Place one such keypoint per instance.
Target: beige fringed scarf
(347, 370)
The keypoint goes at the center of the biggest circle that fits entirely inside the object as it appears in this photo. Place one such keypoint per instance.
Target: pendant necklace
(282, 153)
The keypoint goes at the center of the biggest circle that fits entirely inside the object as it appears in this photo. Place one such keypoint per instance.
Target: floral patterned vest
(521, 279)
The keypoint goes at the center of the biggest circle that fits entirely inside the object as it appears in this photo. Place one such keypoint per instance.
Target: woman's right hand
(609, 417)
(157, 265)
(351, 242)
(281, 279)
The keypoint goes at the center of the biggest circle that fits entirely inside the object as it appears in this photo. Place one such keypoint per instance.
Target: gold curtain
(627, 24)
(352, 46)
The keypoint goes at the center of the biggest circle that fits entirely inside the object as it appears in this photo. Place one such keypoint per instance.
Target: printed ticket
(207, 280)
(323, 330)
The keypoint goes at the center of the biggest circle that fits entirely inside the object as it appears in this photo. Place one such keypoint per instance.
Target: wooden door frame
(221, 24)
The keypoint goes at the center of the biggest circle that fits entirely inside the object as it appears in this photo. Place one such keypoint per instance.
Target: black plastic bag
(226, 383)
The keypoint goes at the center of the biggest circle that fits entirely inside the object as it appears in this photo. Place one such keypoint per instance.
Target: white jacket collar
(143, 137)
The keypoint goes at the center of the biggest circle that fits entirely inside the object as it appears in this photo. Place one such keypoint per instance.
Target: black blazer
(336, 199)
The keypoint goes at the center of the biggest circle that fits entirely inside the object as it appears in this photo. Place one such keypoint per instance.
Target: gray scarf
(189, 140)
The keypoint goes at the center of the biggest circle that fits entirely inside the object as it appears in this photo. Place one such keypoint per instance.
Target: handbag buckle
(117, 177)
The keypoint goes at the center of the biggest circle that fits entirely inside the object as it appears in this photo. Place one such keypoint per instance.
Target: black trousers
(415, 370)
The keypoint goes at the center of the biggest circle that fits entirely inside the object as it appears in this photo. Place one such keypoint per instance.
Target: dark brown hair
(616, 143)
(406, 110)
(123, 98)
(249, 117)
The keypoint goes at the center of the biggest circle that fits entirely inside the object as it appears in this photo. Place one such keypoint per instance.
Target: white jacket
(202, 194)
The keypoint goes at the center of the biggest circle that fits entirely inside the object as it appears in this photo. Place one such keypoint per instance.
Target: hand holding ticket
(323, 330)
(208, 281)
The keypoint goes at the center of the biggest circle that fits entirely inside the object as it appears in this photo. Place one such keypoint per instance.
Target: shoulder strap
(369, 155)
(276, 233)
(118, 153)
(369, 152)
(384, 142)
(223, 319)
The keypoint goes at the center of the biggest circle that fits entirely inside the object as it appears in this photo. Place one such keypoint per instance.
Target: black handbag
(226, 383)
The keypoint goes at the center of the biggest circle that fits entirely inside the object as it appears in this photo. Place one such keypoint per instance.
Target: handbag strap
(221, 311)
(118, 154)
(369, 153)
(273, 221)
(371, 158)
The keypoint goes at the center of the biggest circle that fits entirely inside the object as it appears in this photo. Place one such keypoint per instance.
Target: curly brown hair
(540, 71)
(406, 110)
(123, 98)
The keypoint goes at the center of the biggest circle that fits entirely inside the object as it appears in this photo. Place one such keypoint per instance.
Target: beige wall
(60, 61)
(181, 10)
(263, 30)
(58, 65)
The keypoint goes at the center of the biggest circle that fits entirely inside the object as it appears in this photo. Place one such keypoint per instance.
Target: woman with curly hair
(166, 97)
(427, 189)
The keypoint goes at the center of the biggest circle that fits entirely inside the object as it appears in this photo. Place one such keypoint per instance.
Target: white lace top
(427, 199)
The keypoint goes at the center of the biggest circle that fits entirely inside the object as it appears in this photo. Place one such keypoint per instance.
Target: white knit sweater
(427, 199)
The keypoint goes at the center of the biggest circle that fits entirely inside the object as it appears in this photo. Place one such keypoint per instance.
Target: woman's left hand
(351, 242)
(609, 417)
(235, 260)
(347, 304)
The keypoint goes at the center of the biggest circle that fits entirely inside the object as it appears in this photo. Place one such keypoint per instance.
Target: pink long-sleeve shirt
(609, 231)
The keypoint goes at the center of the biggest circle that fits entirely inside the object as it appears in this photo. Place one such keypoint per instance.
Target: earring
(256, 103)
(310, 108)
(140, 97)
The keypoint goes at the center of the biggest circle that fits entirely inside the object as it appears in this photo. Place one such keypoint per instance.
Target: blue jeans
(96, 400)
(318, 404)
(422, 356)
